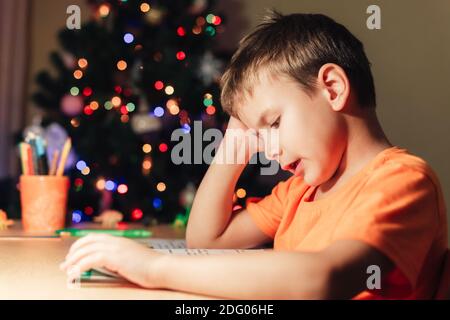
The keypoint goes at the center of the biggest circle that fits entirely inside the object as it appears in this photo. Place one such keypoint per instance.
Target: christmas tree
(124, 82)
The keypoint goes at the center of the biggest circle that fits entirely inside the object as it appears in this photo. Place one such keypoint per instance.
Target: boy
(354, 203)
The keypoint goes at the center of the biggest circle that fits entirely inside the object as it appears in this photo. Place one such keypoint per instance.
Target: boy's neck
(365, 139)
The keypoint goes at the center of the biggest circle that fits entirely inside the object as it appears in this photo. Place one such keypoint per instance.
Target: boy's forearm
(212, 205)
(259, 275)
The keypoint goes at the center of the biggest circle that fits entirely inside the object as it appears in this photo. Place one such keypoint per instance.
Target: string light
(76, 216)
(174, 110)
(122, 189)
(78, 182)
(110, 185)
(158, 112)
(169, 90)
(163, 147)
(88, 111)
(128, 38)
(147, 164)
(100, 184)
(200, 21)
(81, 165)
(131, 107)
(104, 10)
(89, 211)
(87, 92)
(145, 7)
(159, 85)
(121, 65)
(74, 91)
(75, 122)
(108, 105)
(116, 101)
(217, 20)
(86, 171)
(211, 110)
(157, 203)
(209, 18)
(78, 74)
(181, 55)
(241, 193)
(137, 214)
(123, 110)
(94, 105)
(161, 187)
(196, 30)
(82, 63)
(124, 118)
(146, 148)
(209, 30)
(181, 32)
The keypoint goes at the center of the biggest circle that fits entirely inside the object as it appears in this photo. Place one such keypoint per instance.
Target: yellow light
(82, 63)
(147, 148)
(147, 164)
(116, 101)
(124, 118)
(208, 96)
(241, 193)
(86, 171)
(94, 105)
(103, 10)
(174, 110)
(161, 187)
(121, 65)
(145, 7)
(100, 184)
(78, 74)
(169, 90)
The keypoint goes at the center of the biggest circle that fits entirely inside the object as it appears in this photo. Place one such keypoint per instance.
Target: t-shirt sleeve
(267, 213)
(396, 213)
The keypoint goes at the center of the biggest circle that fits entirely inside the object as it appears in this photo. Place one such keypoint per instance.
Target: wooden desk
(29, 269)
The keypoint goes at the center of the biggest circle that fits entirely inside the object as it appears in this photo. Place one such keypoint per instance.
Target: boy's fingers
(91, 261)
(75, 256)
(86, 240)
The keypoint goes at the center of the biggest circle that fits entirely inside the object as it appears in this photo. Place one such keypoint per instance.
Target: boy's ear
(333, 82)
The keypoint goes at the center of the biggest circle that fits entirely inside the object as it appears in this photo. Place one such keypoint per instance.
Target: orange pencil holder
(44, 202)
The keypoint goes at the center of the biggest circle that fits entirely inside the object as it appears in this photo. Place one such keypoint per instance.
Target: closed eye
(275, 124)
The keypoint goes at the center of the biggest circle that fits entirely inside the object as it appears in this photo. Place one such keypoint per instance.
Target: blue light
(110, 185)
(186, 128)
(158, 112)
(76, 216)
(157, 203)
(128, 38)
(81, 165)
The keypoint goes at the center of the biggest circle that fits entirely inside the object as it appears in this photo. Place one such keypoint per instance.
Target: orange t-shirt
(394, 204)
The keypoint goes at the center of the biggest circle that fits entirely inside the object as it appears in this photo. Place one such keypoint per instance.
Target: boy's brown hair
(296, 45)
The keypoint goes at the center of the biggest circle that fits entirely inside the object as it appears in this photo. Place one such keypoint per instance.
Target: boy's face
(303, 133)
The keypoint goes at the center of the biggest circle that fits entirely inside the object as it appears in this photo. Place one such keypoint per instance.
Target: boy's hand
(239, 143)
(126, 257)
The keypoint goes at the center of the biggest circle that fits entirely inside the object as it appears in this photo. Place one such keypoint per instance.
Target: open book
(168, 246)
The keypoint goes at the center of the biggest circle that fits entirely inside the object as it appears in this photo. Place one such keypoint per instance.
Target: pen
(130, 233)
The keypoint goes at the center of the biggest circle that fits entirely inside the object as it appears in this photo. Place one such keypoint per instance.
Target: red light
(78, 182)
(88, 111)
(118, 89)
(181, 32)
(211, 110)
(122, 225)
(87, 91)
(159, 85)
(137, 214)
(181, 55)
(123, 110)
(217, 20)
(89, 210)
(163, 147)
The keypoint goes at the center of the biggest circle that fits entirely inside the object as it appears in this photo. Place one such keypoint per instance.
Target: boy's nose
(272, 153)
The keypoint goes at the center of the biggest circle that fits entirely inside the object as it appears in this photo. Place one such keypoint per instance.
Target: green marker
(131, 233)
